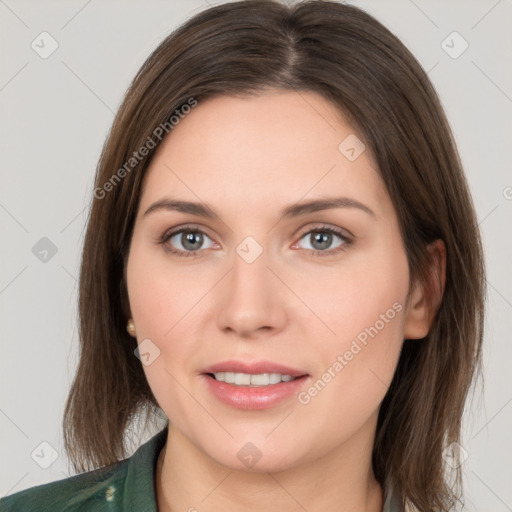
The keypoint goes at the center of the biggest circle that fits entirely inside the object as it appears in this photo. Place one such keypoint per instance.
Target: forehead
(279, 146)
(267, 124)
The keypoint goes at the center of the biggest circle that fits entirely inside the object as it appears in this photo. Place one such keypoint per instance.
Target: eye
(186, 241)
(324, 241)
(320, 241)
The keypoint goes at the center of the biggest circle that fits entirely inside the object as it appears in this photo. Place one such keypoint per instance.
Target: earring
(130, 327)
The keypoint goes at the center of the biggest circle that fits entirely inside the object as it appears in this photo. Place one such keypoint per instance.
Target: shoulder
(125, 485)
(91, 490)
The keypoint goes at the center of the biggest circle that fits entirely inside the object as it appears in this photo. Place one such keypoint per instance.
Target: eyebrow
(294, 210)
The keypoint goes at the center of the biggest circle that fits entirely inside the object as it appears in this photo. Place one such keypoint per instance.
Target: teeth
(245, 379)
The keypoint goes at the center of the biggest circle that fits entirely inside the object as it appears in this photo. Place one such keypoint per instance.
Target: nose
(252, 299)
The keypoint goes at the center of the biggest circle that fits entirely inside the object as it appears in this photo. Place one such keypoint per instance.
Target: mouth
(252, 374)
(254, 388)
(256, 380)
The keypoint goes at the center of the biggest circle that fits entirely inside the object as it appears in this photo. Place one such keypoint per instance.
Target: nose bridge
(249, 274)
(249, 281)
(251, 297)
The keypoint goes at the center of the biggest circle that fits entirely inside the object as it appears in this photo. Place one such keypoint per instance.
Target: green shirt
(127, 486)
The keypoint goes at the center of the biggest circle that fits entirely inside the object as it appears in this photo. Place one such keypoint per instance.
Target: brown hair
(348, 57)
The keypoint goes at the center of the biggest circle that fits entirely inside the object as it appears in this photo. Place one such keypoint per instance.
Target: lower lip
(262, 397)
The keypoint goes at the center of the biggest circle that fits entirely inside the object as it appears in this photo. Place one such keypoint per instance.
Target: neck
(187, 479)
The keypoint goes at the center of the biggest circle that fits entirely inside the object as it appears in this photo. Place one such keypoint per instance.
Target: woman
(282, 256)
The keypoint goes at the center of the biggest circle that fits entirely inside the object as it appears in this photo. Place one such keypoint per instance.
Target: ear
(427, 295)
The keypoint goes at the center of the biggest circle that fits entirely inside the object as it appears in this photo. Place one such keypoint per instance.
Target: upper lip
(253, 368)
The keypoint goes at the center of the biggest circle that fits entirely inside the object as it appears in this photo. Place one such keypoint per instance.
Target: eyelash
(347, 242)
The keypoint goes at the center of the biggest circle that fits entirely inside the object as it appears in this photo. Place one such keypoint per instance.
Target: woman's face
(318, 292)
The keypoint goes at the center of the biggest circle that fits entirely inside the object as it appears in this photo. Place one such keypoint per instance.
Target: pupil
(322, 239)
(188, 240)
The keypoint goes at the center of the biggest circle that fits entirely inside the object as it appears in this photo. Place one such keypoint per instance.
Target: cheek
(160, 296)
(156, 310)
(366, 311)
(166, 305)
(353, 297)
(364, 306)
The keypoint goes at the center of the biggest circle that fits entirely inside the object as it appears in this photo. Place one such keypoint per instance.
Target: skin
(248, 158)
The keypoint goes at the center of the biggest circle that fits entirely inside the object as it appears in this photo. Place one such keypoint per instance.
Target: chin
(255, 457)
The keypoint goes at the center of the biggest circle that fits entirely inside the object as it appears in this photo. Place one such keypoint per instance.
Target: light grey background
(55, 113)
